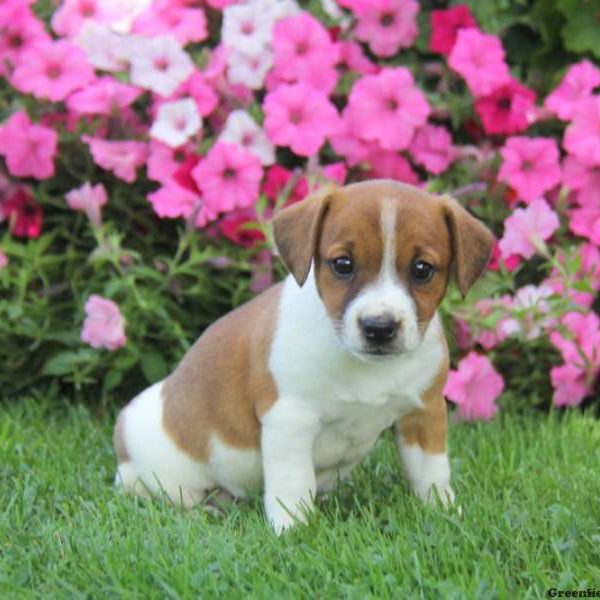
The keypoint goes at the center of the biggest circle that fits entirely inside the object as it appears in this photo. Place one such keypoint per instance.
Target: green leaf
(112, 379)
(66, 362)
(582, 30)
(153, 366)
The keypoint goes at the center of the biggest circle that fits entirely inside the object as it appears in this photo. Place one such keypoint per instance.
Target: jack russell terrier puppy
(292, 390)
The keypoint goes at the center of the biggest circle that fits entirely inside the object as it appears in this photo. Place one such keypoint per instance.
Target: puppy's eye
(342, 266)
(422, 271)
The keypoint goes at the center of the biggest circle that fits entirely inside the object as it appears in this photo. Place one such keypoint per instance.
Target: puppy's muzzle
(379, 330)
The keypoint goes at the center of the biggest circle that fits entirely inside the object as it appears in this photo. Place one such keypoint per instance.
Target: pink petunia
(387, 164)
(300, 117)
(479, 59)
(229, 177)
(507, 110)
(577, 85)
(29, 149)
(474, 388)
(586, 223)
(167, 17)
(584, 180)
(354, 59)
(89, 199)
(582, 137)
(579, 346)
(303, 51)
(432, 148)
(104, 325)
(445, 25)
(103, 97)
(72, 15)
(530, 166)
(388, 25)
(19, 29)
(163, 161)
(121, 158)
(198, 88)
(160, 64)
(387, 108)
(527, 228)
(52, 70)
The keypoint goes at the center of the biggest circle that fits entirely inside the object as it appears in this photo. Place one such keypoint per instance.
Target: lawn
(529, 488)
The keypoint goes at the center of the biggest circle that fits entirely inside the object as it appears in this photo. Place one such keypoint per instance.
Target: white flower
(249, 70)
(160, 64)
(241, 129)
(104, 48)
(176, 121)
(278, 9)
(128, 11)
(247, 28)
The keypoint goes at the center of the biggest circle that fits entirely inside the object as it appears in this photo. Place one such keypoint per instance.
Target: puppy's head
(382, 254)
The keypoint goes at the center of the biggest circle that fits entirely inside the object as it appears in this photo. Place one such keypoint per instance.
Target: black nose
(379, 329)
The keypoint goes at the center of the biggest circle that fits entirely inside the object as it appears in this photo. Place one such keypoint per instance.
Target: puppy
(292, 390)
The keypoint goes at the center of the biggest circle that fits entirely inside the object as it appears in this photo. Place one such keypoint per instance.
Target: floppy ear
(471, 242)
(297, 229)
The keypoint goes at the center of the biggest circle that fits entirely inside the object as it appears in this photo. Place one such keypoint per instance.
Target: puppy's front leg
(421, 443)
(288, 434)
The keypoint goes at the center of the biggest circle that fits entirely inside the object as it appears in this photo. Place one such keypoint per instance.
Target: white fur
(156, 464)
(386, 295)
(426, 471)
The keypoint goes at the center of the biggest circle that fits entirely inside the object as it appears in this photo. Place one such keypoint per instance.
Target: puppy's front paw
(283, 516)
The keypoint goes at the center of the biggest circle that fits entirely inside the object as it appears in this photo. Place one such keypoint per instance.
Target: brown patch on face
(119, 439)
(351, 228)
(223, 384)
(428, 426)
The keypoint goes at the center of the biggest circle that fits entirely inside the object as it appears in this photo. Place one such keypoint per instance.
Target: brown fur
(427, 426)
(223, 384)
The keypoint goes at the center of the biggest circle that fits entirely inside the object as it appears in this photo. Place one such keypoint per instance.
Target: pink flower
(277, 180)
(299, 116)
(354, 59)
(388, 25)
(527, 228)
(579, 346)
(104, 325)
(52, 70)
(570, 386)
(197, 88)
(121, 158)
(582, 179)
(304, 52)
(474, 388)
(586, 223)
(160, 65)
(582, 137)
(88, 199)
(29, 149)
(228, 177)
(236, 227)
(164, 161)
(577, 85)
(173, 201)
(168, 17)
(72, 14)
(3, 260)
(530, 166)
(24, 214)
(432, 148)
(19, 29)
(507, 110)
(346, 143)
(387, 108)
(387, 164)
(445, 25)
(479, 58)
(103, 97)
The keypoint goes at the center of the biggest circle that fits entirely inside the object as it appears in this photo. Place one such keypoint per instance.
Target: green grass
(529, 488)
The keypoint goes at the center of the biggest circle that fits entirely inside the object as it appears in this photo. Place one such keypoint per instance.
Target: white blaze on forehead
(387, 295)
(388, 229)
